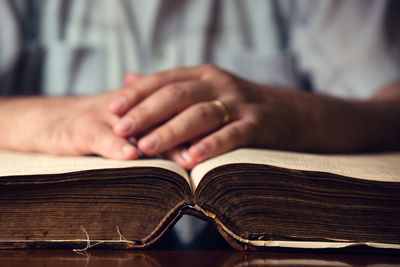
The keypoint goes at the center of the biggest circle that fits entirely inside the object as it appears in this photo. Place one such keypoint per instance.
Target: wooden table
(68, 258)
(209, 250)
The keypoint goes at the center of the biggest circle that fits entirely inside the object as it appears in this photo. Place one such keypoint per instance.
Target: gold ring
(222, 106)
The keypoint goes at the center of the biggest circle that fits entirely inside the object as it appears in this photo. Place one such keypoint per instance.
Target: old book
(256, 198)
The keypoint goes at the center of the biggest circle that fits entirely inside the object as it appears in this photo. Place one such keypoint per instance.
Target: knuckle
(255, 115)
(211, 70)
(209, 66)
(159, 78)
(130, 94)
(174, 91)
(231, 84)
(226, 80)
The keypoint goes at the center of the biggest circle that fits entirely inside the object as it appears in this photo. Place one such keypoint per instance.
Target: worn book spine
(86, 243)
(238, 243)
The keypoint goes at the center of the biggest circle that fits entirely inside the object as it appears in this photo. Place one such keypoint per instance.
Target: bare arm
(327, 124)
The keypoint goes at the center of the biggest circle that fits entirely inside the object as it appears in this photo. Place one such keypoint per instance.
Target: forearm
(23, 120)
(330, 125)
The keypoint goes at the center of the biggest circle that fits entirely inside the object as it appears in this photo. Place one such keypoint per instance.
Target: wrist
(26, 121)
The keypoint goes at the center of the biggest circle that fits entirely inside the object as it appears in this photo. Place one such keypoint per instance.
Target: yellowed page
(17, 163)
(382, 167)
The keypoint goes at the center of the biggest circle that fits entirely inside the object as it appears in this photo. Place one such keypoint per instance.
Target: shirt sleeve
(10, 44)
(345, 46)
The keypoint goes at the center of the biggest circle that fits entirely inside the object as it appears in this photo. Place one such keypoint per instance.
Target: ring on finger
(224, 109)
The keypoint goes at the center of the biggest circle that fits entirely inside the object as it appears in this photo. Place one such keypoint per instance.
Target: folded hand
(194, 113)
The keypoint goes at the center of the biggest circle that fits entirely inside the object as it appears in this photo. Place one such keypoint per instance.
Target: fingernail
(125, 125)
(185, 156)
(118, 104)
(128, 150)
(149, 143)
(198, 151)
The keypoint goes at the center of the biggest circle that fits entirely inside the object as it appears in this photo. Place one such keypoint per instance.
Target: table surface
(101, 258)
(210, 249)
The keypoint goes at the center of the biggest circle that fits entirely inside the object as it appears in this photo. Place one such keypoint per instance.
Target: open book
(255, 198)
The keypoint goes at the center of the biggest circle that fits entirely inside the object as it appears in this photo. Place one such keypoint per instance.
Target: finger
(196, 120)
(147, 85)
(131, 78)
(102, 141)
(162, 105)
(231, 136)
(119, 103)
(181, 156)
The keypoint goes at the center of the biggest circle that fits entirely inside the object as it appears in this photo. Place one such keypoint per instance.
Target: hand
(63, 126)
(178, 107)
(119, 104)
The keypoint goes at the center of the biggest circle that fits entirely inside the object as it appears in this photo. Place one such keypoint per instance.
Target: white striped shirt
(87, 46)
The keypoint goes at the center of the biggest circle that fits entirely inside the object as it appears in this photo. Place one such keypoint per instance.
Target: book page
(379, 167)
(17, 163)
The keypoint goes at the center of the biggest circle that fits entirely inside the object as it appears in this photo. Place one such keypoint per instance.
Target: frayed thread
(83, 251)
(121, 237)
